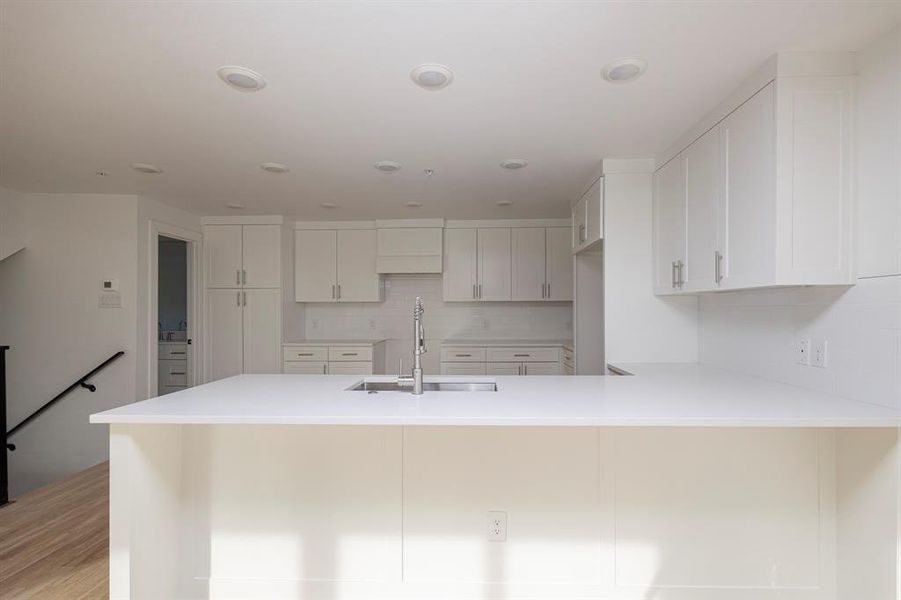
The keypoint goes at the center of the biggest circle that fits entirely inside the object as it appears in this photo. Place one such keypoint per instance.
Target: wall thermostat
(110, 285)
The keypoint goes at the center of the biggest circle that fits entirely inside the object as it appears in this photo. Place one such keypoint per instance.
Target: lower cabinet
(354, 358)
(505, 360)
(243, 332)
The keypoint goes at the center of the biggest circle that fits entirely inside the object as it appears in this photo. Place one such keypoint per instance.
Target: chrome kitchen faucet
(415, 380)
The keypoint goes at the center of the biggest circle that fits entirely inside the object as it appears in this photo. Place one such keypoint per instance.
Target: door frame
(194, 241)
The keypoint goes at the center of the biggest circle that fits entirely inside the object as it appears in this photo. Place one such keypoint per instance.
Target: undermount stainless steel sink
(427, 386)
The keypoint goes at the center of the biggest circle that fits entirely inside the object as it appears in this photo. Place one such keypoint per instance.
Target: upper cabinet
(336, 265)
(242, 256)
(477, 264)
(542, 264)
(588, 217)
(763, 197)
(410, 246)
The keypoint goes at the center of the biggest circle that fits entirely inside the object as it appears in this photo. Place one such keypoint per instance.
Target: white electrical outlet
(802, 355)
(497, 526)
(818, 356)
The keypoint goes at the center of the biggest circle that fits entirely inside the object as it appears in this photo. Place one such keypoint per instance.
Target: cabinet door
(350, 368)
(702, 181)
(222, 255)
(551, 368)
(262, 331)
(494, 264)
(528, 263)
(747, 231)
(669, 224)
(580, 223)
(305, 368)
(262, 256)
(460, 264)
(503, 368)
(594, 212)
(358, 280)
(559, 264)
(463, 368)
(224, 337)
(315, 265)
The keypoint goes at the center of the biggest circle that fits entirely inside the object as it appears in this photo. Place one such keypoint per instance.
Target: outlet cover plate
(497, 526)
(802, 352)
(818, 355)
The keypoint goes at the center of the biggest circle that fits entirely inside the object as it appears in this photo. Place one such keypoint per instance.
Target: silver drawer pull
(348, 354)
(522, 355)
(462, 355)
(304, 354)
(174, 352)
(177, 373)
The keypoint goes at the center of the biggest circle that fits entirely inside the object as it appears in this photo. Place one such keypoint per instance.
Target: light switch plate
(819, 357)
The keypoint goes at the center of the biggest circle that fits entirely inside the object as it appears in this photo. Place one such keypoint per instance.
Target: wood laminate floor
(54, 541)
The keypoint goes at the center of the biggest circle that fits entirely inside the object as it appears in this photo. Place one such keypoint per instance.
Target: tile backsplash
(758, 332)
(392, 319)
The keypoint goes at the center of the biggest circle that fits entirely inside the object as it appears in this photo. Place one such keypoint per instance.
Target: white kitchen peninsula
(681, 482)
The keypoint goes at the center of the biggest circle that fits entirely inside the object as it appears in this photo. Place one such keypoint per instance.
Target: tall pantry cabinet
(243, 297)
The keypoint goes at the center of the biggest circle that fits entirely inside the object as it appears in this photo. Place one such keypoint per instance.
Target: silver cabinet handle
(543, 286)
(525, 369)
(480, 291)
(245, 298)
(304, 354)
(718, 266)
(581, 233)
(462, 355)
(680, 266)
(473, 291)
(349, 354)
(522, 355)
(237, 276)
(333, 292)
(673, 274)
(548, 291)
(339, 291)
(238, 295)
(176, 352)
(324, 367)
(243, 277)
(519, 370)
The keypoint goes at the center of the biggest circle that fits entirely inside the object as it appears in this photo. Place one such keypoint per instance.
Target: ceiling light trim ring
(624, 70)
(235, 77)
(432, 76)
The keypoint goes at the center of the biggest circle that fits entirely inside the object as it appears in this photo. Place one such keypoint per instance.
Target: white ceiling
(88, 86)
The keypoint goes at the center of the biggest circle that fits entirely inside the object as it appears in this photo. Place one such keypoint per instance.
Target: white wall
(392, 320)
(50, 317)
(640, 327)
(757, 332)
(13, 232)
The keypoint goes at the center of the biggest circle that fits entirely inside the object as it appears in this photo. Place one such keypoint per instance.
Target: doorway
(173, 325)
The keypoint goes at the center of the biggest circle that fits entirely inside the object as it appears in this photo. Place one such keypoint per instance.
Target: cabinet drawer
(173, 351)
(350, 353)
(523, 354)
(305, 353)
(350, 368)
(463, 368)
(503, 368)
(463, 354)
(173, 372)
(552, 368)
(305, 368)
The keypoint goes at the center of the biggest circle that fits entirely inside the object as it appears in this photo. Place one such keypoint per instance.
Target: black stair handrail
(80, 382)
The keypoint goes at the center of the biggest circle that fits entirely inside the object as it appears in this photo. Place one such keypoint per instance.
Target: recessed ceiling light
(513, 163)
(413, 204)
(624, 70)
(432, 76)
(274, 167)
(504, 202)
(234, 205)
(146, 168)
(242, 78)
(387, 166)
(328, 205)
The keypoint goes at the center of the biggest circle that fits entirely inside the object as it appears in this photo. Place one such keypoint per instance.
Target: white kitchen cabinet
(477, 264)
(702, 179)
(305, 368)
(262, 330)
(746, 227)
(224, 337)
(242, 256)
(463, 368)
(336, 266)
(558, 264)
(529, 281)
(460, 264)
(503, 368)
(669, 226)
(542, 368)
(763, 198)
(588, 217)
(350, 368)
(334, 358)
(356, 275)
(494, 264)
(315, 265)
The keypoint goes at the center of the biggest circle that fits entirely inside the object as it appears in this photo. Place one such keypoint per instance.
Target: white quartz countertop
(507, 343)
(685, 395)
